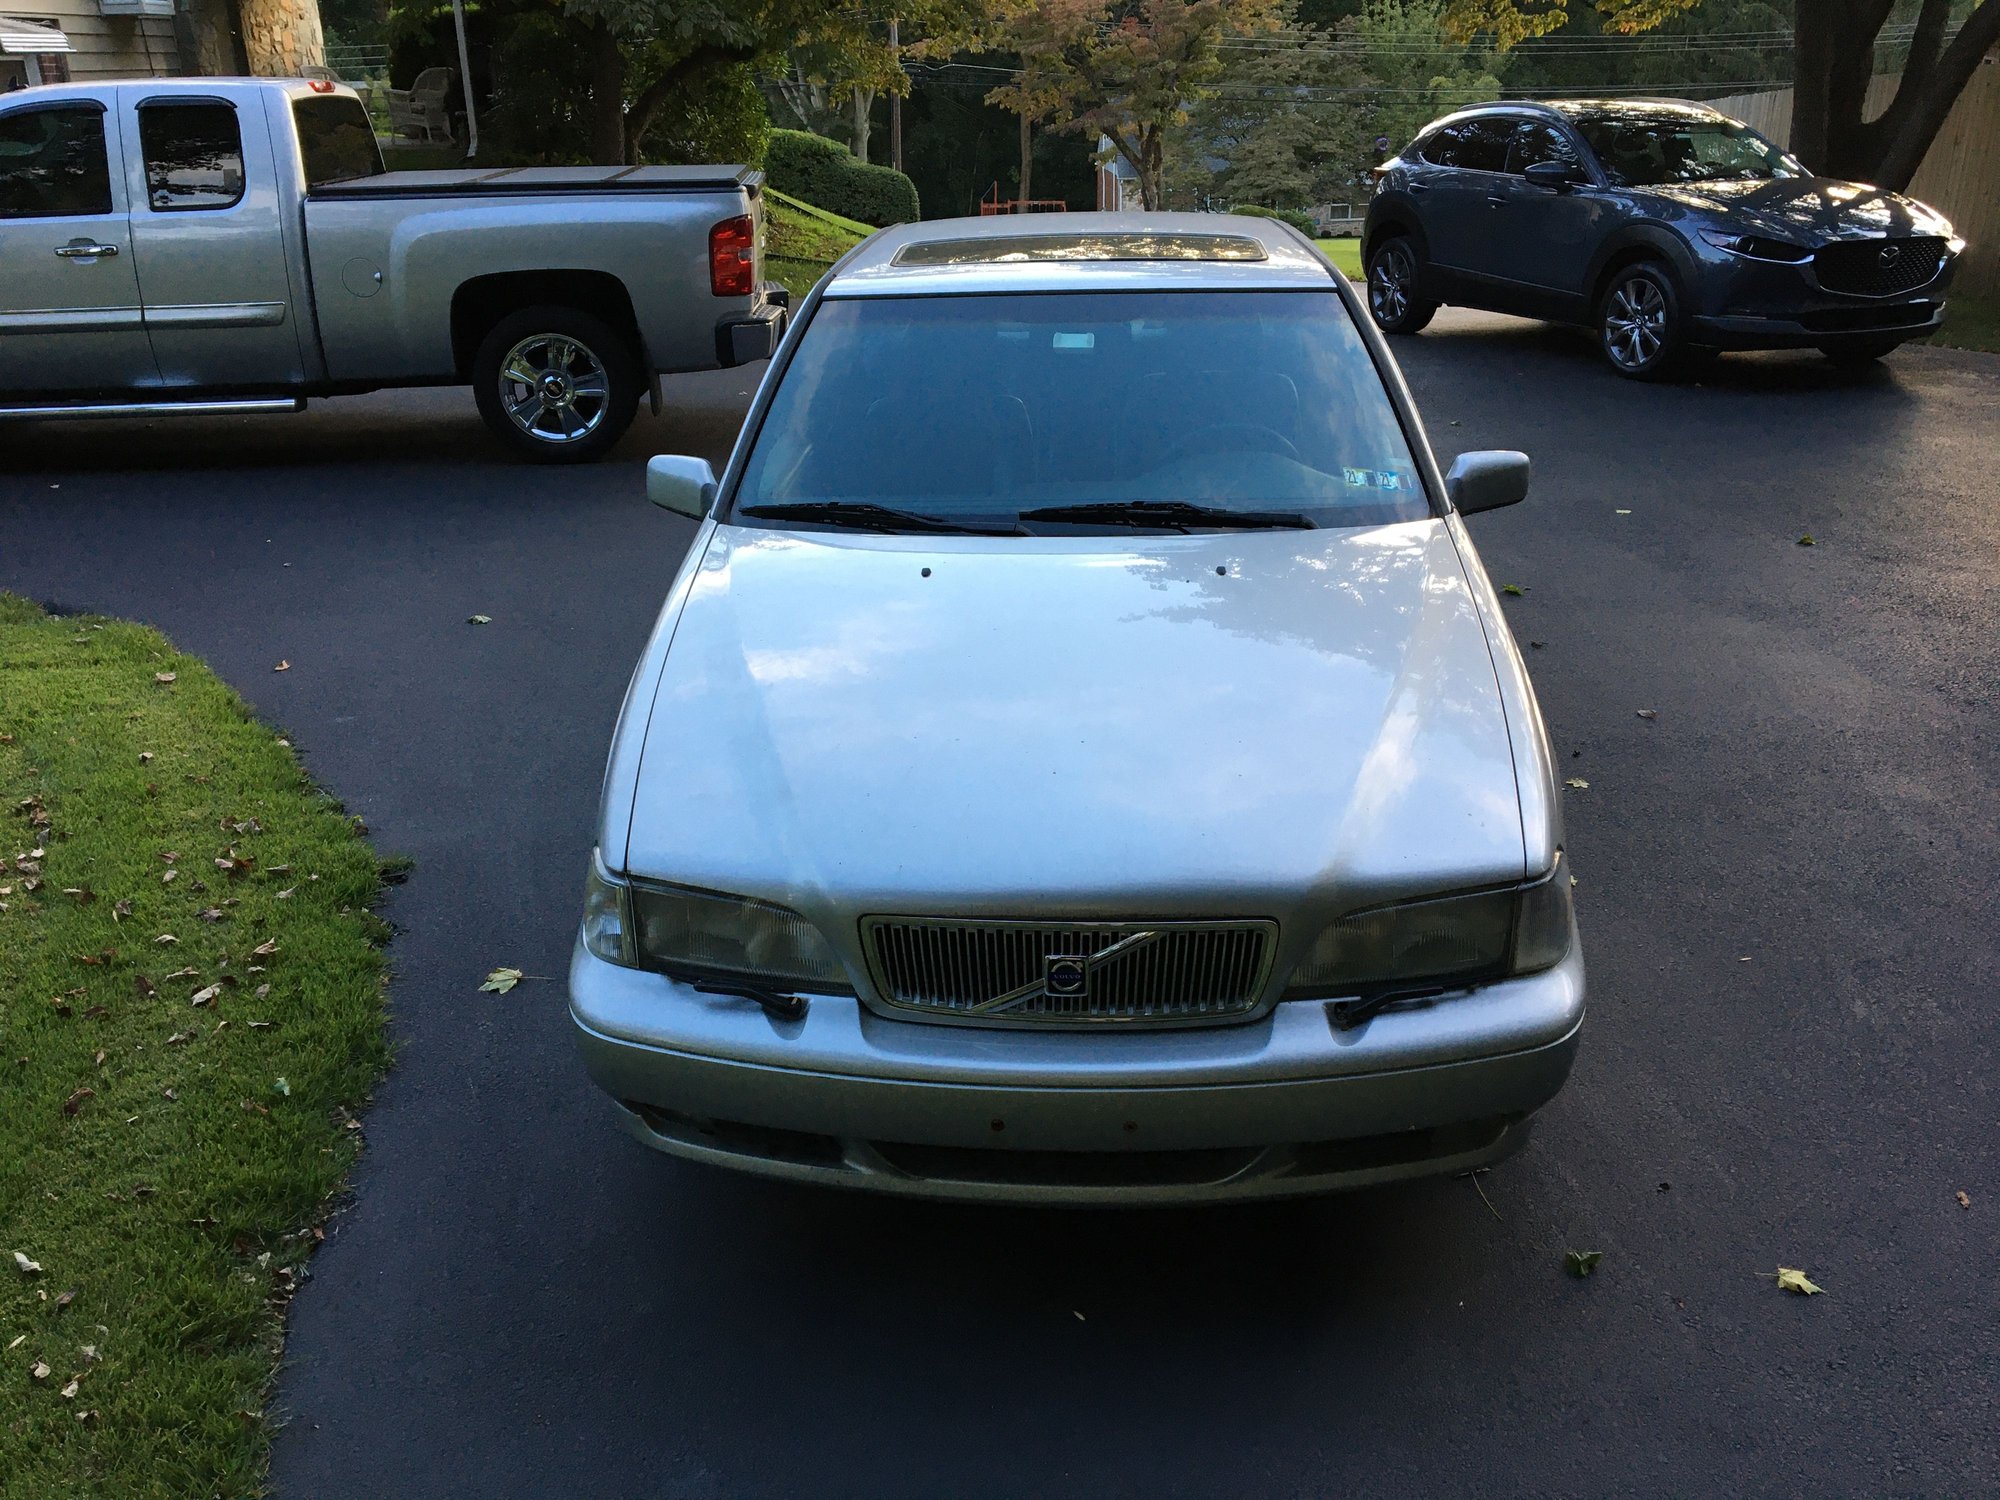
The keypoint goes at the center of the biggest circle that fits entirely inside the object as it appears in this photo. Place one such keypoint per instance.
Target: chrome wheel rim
(1389, 284)
(554, 389)
(1635, 323)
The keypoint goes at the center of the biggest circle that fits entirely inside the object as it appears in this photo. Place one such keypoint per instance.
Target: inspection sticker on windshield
(1378, 479)
(1075, 341)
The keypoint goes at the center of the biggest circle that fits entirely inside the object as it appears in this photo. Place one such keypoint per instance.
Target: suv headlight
(1447, 941)
(1757, 246)
(707, 936)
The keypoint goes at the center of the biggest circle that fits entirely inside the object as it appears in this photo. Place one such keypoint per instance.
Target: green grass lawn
(190, 1009)
(801, 241)
(1971, 323)
(1345, 253)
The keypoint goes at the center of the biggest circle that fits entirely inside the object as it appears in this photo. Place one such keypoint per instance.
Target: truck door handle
(84, 250)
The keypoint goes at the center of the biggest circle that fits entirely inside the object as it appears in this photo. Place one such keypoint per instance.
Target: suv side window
(194, 155)
(53, 163)
(1536, 141)
(1483, 143)
(1440, 147)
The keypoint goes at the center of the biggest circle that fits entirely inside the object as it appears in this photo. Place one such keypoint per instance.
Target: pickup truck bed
(505, 181)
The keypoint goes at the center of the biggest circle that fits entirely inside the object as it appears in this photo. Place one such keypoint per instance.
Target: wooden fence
(1960, 177)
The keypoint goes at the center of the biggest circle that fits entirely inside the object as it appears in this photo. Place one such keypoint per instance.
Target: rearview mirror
(1553, 174)
(675, 482)
(1485, 480)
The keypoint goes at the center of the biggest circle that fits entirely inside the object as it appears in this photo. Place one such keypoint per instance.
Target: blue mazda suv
(1671, 230)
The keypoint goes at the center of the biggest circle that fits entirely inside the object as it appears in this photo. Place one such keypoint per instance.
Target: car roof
(1079, 252)
(1592, 109)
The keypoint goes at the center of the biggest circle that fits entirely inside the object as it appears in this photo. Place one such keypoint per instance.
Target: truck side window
(53, 163)
(194, 155)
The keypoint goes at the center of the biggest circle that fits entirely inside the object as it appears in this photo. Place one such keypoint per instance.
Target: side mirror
(1486, 480)
(675, 482)
(1554, 175)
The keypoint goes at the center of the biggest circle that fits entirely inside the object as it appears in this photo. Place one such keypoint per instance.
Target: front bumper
(1747, 304)
(1283, 1105)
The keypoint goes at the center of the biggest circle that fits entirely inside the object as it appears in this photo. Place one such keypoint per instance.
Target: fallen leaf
(168, 856)
(263, 1025)
(1791, 1280)
(121, 910)
(145, 756)
(65, 1299)
(1512, 588)
(479, 619)
(170, 877)
(180, 1038)
(39, 1370)
(69, 1391)
(283, 666)
(280, 1086)
(251, 1106)
(165, 938)
(84, 894)
(205, 996)
(170, 1096)
(1577, 782)
(146, 988)
(163, 676)
(211, 914)
(76, 1100)
(286, 893)
(1580, 1263)
(101, 1055)
(262, 992)
(502, 980)
(190, 972)
(87, 1416)
(1963, 1200)
(25, 1266)
(19, 1340)
(266, 949)
(1806, 540)
(1647, 713)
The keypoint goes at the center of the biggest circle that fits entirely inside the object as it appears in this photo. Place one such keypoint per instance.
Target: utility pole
(896, 99)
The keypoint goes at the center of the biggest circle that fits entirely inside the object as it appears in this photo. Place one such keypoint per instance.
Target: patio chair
(419, 112)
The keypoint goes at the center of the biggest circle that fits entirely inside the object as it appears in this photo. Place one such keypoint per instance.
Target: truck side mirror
(1486, 480)
(676, 482)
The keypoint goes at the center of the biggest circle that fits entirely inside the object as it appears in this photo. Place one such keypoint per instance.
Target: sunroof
(1017, 248)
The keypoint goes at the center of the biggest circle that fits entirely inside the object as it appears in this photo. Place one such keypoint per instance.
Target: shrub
(1297, 218)
(825, 173)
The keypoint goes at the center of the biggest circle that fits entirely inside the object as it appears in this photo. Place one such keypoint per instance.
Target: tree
(281, 38)
(1835, 59)
(1833, 62)
(1126, 69)
(845, 58)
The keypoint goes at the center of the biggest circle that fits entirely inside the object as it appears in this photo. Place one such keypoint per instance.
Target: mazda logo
(1890, 254)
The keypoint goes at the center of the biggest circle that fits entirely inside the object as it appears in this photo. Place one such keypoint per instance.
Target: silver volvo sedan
(1082, 758)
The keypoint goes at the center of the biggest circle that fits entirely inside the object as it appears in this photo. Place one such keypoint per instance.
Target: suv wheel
(556, 384)
(1393, 274)
(1638, 322)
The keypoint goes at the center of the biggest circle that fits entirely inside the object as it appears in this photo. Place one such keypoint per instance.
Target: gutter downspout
(465, 78)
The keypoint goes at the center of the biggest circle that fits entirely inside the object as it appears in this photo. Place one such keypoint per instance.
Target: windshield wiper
(865, 515)
(1175, 514)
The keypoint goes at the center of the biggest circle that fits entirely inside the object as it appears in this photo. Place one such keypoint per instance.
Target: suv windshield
(1647, 151)
(977, 409)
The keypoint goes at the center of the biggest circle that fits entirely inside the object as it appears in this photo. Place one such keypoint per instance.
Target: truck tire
(556, 384)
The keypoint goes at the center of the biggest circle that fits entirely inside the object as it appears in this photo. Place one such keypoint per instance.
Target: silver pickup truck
(234, 245)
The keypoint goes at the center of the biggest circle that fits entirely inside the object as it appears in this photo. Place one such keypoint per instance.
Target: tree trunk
(607, 97)
(206, 35)
(1027, 156)
(281, 38)
(1835, 56)
(1152, 167)
(896, 100)
(864, 101)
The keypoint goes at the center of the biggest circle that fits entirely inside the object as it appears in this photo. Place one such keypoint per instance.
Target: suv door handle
(1496, 200)
(1420, 187)
(84, 250)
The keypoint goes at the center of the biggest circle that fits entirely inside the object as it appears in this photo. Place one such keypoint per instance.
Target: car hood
(1233, 724)
(1809, 209)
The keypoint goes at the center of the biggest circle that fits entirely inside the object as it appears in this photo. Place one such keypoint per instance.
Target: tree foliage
(1125, 69)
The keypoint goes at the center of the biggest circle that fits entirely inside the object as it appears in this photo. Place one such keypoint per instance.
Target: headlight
(707, 936)
(1757, 246)
(1452, 940)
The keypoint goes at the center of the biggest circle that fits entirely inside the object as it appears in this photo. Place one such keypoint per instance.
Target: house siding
(106, 46)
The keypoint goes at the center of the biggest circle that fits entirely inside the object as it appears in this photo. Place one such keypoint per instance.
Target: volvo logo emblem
(1066, 975)
(1890, 254)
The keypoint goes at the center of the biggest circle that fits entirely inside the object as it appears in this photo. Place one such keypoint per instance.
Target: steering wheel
(1234, 437)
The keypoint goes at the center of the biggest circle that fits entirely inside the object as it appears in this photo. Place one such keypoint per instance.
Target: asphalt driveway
(1788, 897)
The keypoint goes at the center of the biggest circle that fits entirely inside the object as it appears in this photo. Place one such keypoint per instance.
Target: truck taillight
(732, 270)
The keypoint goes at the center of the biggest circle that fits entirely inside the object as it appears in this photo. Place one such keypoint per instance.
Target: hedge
(825, 173)
(1298, 220)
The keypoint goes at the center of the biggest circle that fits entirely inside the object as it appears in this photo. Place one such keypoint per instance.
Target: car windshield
(1643, 151)
(978, 409)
